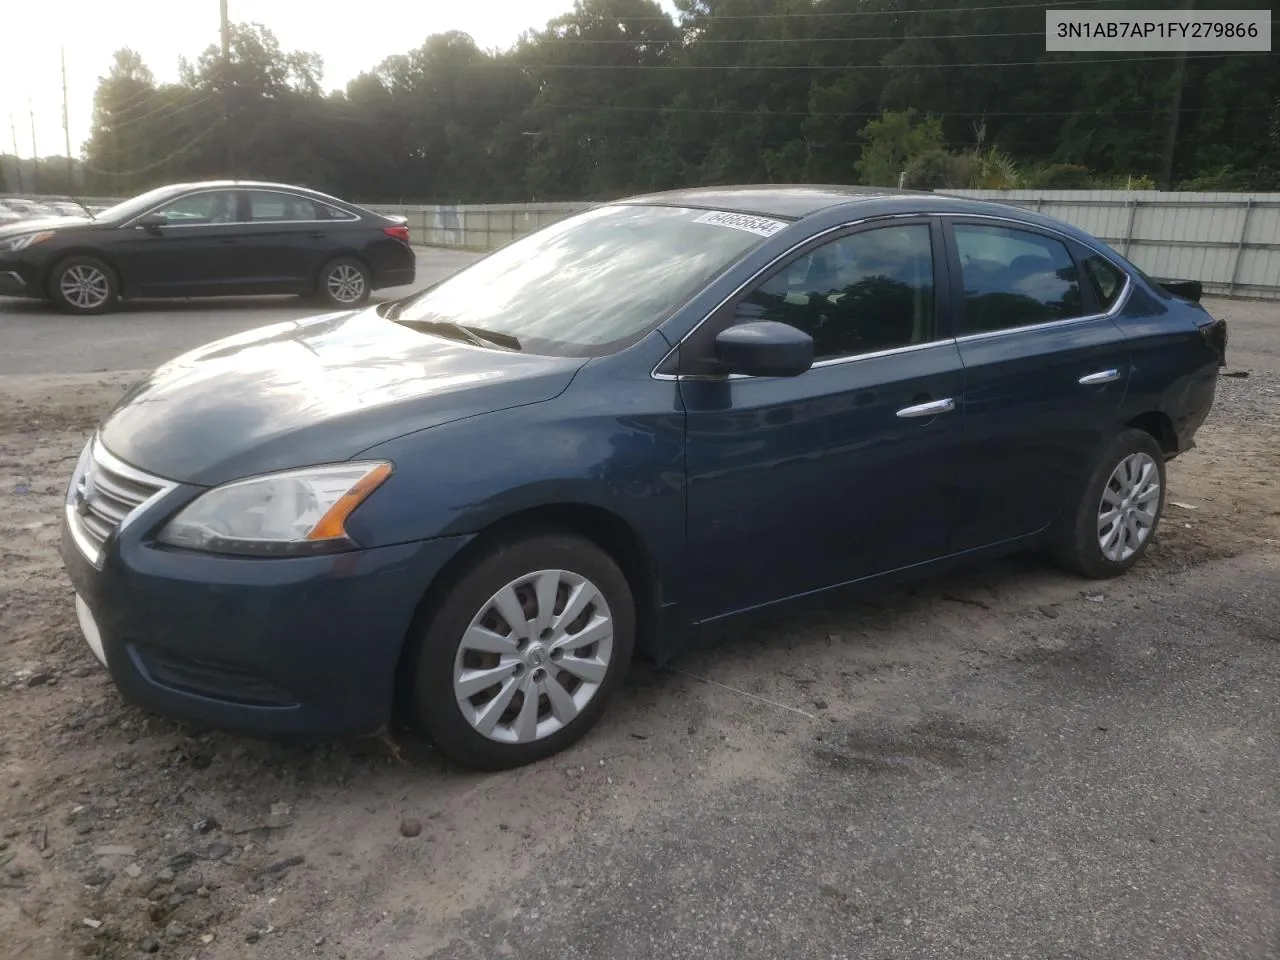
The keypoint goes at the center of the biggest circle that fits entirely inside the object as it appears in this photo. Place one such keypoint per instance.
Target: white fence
(1230, 242)
(483, 226)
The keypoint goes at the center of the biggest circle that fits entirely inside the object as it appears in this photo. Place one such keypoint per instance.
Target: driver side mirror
(152, 222)
(764, 348)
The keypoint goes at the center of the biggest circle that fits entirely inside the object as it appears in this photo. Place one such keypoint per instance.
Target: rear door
(1045, 369)
(290, 237)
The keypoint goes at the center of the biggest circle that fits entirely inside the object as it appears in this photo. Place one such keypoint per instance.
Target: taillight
(400, 232)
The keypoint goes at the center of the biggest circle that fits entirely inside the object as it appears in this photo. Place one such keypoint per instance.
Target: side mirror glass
(764, 348)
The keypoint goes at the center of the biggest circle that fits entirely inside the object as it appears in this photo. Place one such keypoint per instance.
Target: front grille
(104, 493)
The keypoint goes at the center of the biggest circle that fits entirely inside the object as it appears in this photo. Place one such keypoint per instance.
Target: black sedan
(214, 239)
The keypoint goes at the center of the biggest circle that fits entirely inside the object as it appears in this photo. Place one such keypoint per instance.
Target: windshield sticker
(763, 226)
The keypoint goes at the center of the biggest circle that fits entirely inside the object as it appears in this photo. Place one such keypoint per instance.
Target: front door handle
(1102, 376)
(930, 409)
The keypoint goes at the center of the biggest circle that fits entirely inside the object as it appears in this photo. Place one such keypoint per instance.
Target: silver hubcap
(84, 287)
(1130, 503)
(345, 283)
(534, 656)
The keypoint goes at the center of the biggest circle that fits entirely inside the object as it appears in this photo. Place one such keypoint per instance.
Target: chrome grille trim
(104, 495)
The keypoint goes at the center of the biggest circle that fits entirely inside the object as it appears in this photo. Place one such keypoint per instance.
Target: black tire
(435, 706)
(96, 292)
(335, 278)
(1077, 547)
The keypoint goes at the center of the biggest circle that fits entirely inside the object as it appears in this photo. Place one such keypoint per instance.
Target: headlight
(14, 244)
(280, 514)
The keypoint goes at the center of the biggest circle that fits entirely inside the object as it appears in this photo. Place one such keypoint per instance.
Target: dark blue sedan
(478, 503)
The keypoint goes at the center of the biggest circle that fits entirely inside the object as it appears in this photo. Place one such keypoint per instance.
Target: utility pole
(17, 158)
(228, 129)
(1171, 139)
(35, 151)
(66, 127)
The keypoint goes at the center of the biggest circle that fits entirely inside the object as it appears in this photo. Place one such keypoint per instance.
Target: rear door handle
(1102, 376)
(930, 409)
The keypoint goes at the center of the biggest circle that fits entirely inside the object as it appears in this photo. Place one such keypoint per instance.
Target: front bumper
(17, 280)
(298, 647)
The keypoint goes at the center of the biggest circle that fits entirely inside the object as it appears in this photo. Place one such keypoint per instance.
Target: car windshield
(591, 284)
(136, 205)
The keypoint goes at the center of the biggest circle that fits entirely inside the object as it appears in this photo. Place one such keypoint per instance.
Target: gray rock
(175, 931)
(410, 827)
(149, 945)
(165, 876)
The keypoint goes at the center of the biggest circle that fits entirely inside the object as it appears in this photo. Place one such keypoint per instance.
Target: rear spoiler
(1187, 289)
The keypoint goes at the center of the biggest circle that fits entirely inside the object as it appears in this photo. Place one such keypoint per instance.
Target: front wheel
(524, 652)
(344, 282)
(84, 286)
(1118, 510)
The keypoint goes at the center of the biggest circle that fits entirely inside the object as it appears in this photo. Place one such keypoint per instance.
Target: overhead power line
(189, 145)
(1093, 111)
(844, 67)
(748, 41)
(828, 14)
(175, 109)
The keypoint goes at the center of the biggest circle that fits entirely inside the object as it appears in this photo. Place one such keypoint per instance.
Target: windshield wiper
(456, 331)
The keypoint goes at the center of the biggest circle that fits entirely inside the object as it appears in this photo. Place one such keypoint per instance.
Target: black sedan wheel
(1119, 509)
(524, 652)
(344, 283)
(83, 285)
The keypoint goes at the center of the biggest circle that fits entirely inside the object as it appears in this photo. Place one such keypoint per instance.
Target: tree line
(618, 97)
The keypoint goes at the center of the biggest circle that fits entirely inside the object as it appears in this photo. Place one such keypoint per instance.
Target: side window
(868, 291)
(326, 212)
(213, 206)
(1106, 279)
(1013, 278)
(264, 206)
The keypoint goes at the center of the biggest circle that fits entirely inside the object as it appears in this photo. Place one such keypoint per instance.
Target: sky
(351, 37)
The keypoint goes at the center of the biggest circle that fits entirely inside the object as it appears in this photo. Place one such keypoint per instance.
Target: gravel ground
(1003, 762)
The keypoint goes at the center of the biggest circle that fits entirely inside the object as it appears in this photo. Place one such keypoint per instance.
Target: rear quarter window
(1105, 278)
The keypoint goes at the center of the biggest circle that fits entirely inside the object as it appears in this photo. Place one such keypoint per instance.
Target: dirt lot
(698, 821)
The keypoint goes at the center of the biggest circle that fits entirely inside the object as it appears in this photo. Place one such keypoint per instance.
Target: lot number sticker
(763, 226)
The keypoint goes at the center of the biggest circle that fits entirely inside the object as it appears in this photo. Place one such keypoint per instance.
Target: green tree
(893, 141)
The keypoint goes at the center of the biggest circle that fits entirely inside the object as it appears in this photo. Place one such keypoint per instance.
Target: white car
(27, 209)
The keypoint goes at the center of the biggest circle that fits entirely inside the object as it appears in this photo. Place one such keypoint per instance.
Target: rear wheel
(524, 652)
(1118, 510)
(83, 285)
(344, 282)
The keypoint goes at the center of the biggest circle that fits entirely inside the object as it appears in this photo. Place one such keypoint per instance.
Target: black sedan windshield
(592, 283)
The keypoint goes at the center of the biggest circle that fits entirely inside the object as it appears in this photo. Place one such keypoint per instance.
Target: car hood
(14, 228)
(313, 391)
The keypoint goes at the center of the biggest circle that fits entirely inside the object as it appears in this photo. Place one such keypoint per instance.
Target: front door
(848, 470)
(290, 238)
(1046, 370)
(197, 252)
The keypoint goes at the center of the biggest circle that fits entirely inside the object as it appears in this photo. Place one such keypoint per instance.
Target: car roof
(799, 201)
(790, 201)
(252, 184)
